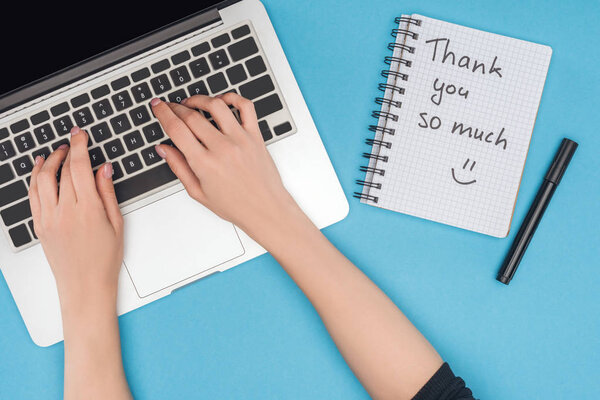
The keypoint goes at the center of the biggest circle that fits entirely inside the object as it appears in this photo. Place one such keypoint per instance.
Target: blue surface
(250, 333)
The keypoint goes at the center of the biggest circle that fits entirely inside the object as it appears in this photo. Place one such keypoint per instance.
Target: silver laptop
(104, 73)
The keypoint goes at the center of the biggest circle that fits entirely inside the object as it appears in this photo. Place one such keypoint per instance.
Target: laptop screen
(39, 38)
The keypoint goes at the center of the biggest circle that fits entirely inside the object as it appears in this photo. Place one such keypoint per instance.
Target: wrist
(82, 305)
(283, 221)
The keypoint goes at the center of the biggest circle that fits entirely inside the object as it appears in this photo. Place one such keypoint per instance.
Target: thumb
(106, 190)
(182, 169)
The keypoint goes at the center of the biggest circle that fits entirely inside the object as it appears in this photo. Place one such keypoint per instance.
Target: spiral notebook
(455, 122)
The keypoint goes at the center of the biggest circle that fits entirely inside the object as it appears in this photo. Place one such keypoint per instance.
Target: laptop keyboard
(121, 127)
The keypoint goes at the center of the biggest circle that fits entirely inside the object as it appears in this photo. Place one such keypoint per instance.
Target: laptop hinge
(108, 58)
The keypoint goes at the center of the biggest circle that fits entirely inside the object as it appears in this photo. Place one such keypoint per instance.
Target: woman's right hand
(229, 169)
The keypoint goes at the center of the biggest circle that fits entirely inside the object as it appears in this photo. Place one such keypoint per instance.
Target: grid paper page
(464, 126)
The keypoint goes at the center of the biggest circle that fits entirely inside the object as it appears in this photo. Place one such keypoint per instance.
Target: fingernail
(161, 152)
(108, 171)
(184, 101)
(75, 130)
(155, 101)
(63, 146)
(38, 160)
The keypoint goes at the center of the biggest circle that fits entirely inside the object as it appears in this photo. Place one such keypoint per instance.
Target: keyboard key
(160, 84)
(24, 142)
(31, 229)
(117, 171)
(83, 117)
(180, 57)
(12, 192)
(220, 40)
(141, 92)
(40, 117)
(56, 145)
(114, 149)
(218, 59)
(139, 115)
(100, 92)
(236, 74)
(133, 140)
(122, 100)
(22, 165)
(242, 49)
(264, 130)
(6, 174)
(267, 106)
(217, 82)
(257, 87)
(100, 132)
(132, 163)
(3, 133)
(19, 235)
(256, 66)
(241, 31)
(120, 123)
(16, 213)
(19, 126)
(283, 128)
(177, 96)
(144, 182)
(180, 75)
(150, 156)
(199, 67)
(102, 109)
(140, 74)
(160, 66)
(44, 133)
(80, 100)
(96, 157)
(63, 125)
(60, 109)
(120, 83)
(200, 49)
(30, 223)
(198, 88)
(168, 142)
(7, 150)
(44, 152)
(153, 132)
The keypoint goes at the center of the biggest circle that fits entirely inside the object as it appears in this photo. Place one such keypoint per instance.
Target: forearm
(93, 363)
(386, 352)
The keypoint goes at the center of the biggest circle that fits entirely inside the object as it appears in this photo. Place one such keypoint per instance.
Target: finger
(82, 176)
(46, 178)
(34, 198)
(219, 111)
(66, 192)
(177, 130)
(106, 190)
(204, 130)
(247, 112)
(182, 169)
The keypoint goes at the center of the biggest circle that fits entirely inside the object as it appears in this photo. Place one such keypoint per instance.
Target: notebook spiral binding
(371, 170)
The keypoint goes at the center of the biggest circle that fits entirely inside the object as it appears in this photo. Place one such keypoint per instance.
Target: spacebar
(144, 182)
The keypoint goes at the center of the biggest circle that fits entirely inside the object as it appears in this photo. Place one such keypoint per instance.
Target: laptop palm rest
(175, 239)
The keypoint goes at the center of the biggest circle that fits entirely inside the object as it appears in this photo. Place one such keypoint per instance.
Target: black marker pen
(536, 211)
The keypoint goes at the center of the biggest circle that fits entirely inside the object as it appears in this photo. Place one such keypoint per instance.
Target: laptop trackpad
(174, 239)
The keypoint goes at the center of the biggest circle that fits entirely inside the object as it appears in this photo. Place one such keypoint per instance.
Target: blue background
(250, 333)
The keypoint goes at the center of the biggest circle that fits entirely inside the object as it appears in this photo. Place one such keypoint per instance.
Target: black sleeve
(443, 385)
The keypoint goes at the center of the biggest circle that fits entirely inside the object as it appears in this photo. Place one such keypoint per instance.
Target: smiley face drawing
(464, 167)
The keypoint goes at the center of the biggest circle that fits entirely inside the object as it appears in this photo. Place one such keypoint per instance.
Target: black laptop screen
(39, 38)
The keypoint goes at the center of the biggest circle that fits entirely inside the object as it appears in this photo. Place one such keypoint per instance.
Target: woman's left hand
(79, 225)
